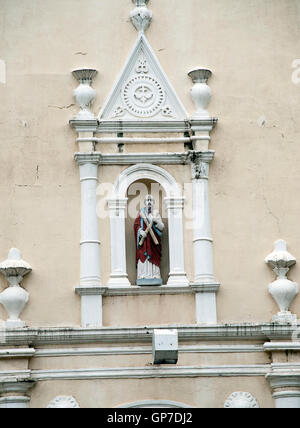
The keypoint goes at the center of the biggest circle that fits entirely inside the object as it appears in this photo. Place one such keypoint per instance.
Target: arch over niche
(118, 209)
(146, 172)
(163, 404)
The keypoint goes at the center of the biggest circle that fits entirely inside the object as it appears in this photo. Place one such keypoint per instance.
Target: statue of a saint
(148, 228)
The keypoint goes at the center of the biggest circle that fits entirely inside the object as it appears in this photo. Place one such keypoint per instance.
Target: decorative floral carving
(143, 96)
(63, 402)
(241, 400)
(142, 66)
(167, 111)
(119, 112)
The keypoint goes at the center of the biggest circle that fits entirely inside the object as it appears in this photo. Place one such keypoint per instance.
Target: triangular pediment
(143, 91)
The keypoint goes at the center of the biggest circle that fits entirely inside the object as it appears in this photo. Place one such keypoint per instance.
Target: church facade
(149, 204)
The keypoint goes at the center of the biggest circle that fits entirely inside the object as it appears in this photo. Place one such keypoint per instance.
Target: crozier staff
(148, 228)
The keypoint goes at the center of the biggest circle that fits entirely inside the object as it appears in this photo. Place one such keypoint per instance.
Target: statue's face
(149, 202)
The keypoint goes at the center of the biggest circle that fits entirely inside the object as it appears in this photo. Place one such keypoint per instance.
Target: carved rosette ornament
(282, 290)
(84, 93)
(141, 16)
(14, 298)
(241, 400)
(63, 402)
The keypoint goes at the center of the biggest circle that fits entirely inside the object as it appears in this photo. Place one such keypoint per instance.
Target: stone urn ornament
(201, 92)
(141, 16)
(84, 93)
(14, 298)
(282, 289)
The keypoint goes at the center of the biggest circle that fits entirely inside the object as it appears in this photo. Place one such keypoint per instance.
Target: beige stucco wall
(196, 392)
(254, 181)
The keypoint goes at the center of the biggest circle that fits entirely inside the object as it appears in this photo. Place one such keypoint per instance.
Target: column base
(206, 304)
(14, 403)
(117, 281)
(149, 282)
(178, 279)
(285, 318)
(91, 306)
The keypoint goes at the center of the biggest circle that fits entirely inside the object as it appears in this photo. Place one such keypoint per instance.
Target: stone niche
(135, 194)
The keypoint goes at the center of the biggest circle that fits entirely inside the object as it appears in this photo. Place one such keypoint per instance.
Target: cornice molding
(119, 126)
(152, 158)
(150, 372)
(284, 380)
(16, 353)
(84, 125)
(15, 382)
(71, 335)
(146, 350)
(282, 346)
(90, 157)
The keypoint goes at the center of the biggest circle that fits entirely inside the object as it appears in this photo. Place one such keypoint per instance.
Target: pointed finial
(141, 16)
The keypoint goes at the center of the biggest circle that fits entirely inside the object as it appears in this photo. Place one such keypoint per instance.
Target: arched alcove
(136, 193)
(118, 212)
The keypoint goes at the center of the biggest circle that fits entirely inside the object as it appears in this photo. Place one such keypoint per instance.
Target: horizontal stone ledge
(147, 290)
(16, 353)
(146, 350)
(150, 372)
(133, 290)
(150, 126)
(73, 335)
(282, 346)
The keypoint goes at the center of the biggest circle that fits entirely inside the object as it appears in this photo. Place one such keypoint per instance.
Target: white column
(15, 390)
(90, 245)
(203, 243)
(287, 399)
(285, 384)
(117, 213)
(204, 284)
(90, 288)
(177, 274)
(14, 402)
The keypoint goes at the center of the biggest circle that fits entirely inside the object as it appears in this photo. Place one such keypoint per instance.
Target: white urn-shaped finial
(141, 16)
(14, 298)
(201, 92)
(84, 93)
(282, 290)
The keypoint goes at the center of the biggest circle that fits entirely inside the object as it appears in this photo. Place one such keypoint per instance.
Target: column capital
(285, 379)
(200, 161)
(14, 384)
(88, 158)
(201, 125)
